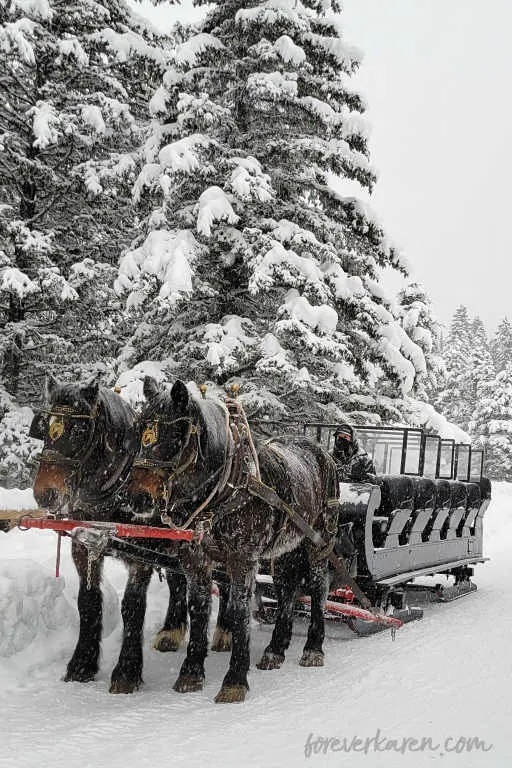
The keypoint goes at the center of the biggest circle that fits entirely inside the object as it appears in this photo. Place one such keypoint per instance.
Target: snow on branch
(274, 12)
(225, 340)
(323, 318)
(169, 255)
(214, 205)
(347, 56)
(285, 263)
(44, 124)
(288, 51)
(126, 45)
(188, 53)
(272, 85)
(13, 280)
(248, 180)
(71, 46)
(18, 35)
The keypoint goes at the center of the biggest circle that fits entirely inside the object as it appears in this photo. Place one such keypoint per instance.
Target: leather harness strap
(256, 488)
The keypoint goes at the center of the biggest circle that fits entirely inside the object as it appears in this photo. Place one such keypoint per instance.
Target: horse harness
(56, 428)
(238, 480)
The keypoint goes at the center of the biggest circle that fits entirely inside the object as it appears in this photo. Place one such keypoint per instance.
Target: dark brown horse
(91, 437)
(199, 468)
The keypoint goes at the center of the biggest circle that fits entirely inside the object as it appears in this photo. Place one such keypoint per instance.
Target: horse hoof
(124, 686)
(76, 677)
(188, 684)
(78, 674)
(230, 694)
(271, 661)
(169, 639)
(312, 659)
(222, 641)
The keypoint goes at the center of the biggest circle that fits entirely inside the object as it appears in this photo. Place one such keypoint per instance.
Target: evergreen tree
(491, 426)
(74, 82)
(501, 345)
(421, 325)
(249, 266)
(481, 365)
(456, 399)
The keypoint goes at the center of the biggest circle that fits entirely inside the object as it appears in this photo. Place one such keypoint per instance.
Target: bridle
(185, 461)
(182, 462)
(73, 463)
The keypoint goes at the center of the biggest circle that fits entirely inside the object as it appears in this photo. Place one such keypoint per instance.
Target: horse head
(179, 450)
(66, 425)
(89, 435)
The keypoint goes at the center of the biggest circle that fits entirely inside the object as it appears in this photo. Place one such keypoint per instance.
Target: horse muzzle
(51, 486)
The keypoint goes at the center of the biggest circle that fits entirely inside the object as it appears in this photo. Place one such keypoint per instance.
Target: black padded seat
(473, 495)
(440, 513)
(397, 492)
(443, 494)
(424, 505)
(452, 526)
(485, 488)
(425, 493)
(459, 493)
(473, 503)
(397, 499)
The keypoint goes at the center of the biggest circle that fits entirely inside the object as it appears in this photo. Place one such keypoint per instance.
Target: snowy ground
(446, 677)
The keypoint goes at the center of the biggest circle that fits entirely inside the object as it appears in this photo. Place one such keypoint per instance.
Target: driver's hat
(344, 432)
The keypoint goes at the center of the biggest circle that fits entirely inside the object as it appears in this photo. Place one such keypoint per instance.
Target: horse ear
(150, 387)
(51, 385)
(179, 394)
(90, 391)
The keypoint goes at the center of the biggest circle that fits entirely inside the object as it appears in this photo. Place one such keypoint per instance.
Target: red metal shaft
(358, 613)
(123, 530)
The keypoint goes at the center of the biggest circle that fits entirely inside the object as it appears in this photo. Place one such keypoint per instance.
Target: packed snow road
(441, 693)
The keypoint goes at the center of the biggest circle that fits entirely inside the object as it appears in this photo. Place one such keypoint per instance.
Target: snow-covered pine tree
(456, 399)
(491, 425)
(250, 267)
(74, 78)
(74, 83)
(421, 325)
(481, 364)
(501, 345)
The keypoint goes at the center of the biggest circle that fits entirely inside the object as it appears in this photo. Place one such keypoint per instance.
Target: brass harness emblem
(150, 435)
(56, 429)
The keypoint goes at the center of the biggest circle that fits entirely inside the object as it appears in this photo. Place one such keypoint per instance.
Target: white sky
(437, 76)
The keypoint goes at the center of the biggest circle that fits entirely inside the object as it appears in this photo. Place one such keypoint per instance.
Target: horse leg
(235, 685)
(287, 571)
(127, 674)
(312, 654)
(222, 639)
(191, 675)
(83, 665)
(172, 634)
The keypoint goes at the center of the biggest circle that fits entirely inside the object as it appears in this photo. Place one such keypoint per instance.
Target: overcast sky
(437, 76)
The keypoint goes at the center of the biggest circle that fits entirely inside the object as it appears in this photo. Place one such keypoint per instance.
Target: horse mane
(119, 420)
(116, 416)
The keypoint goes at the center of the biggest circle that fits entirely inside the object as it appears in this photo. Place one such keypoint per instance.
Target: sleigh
(421, 516)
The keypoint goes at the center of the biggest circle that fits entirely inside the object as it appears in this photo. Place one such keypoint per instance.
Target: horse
(199, 467)
(91, 437)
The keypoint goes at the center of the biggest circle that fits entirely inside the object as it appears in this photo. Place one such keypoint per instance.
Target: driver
(352, 464)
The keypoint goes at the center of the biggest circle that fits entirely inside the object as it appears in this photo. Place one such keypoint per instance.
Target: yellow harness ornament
(56, 429)
(150, 435)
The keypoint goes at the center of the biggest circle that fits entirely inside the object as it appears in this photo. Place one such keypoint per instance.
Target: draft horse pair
(188, 462)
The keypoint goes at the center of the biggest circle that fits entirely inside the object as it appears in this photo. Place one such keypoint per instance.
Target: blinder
(150, 441)
(52, 423)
